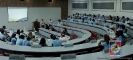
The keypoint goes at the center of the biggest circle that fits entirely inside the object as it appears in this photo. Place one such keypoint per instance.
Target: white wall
(33, 13)
(116, 13)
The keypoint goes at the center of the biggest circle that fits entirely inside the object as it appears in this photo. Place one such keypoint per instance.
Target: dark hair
(47, 27)
(123, 26)
(53, 37)
(2, 31)
(127, 18)
(93, 20)
(22, 31)
(112, 23)
(18, 31)
(59, 20)
(33, 36)
(120, 33)
(106, 38)
(21, 36)
(63, 35)
(43, 42)
(13, 36)
(105, 21)
(4, 27)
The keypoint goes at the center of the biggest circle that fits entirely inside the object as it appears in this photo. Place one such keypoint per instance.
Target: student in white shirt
(122, 19)
(42, 23)
(50, 21)
(112, 26)
(59, 23)
(127, 21)
(63, 38)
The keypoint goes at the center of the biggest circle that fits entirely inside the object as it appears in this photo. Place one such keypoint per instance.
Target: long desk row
(93, 56)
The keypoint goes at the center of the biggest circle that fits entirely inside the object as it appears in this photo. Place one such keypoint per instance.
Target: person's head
(125, 31)
(22, 31)
(33, 36)
(42, 19)
(62, 35)
(123, 17)
(98, 14)
(117, 16)
(52, 36)
(42, 42)
(59, 20)
(30, 33)
(103, 16)
(21, 36)
(2, 31)
(127, 19)
(4, 27)
(13, 35)
(50, 19)
(93, 20)
(106, 38)
(18, 31)
(65, 29)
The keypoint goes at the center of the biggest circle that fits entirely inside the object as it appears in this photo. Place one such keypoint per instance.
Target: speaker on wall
(49, 0)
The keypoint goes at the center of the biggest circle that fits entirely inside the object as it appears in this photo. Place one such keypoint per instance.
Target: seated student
(117, 18)
(90, 21)
(110, 17)
(51, 28)
(63, 38)
(22, 33)
(50, 21)
(13, 39)
(120, 36)
(65, 32)
(98, 16)
(30, 35)
(68, 18)
(42, 23)
(55, 41)
(18, 32)
(89, 16)
(105, 24)
(20, 40)
(43, 42)
(34, 39)
(85, 21)
(46, 26)
(122, 19)
(125, 33)
(2, 36)
(119, 28)
(71, 19)
(85, 16)
(4, 28)
(59, 23)
(94, 22)
(112, 26)
(103, 17)
(127, 21)
(105, 42)
(26, 42)
(80, 20)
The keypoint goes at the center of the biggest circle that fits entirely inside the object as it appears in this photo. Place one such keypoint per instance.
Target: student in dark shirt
(51, 28)
(46, 26)
(65, 32)
(43, 42)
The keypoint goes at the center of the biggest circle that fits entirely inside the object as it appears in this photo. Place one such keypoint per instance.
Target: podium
(36, 25)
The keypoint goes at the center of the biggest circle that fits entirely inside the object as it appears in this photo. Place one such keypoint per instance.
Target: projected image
(16, 14)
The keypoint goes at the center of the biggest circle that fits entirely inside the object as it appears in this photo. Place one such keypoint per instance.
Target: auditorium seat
(94, 36)
(1, 54)
(73, 37)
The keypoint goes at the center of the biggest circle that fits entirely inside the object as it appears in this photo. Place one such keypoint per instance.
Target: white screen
(16, 14)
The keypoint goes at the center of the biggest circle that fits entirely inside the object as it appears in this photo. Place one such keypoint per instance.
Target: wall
(29, 3)
(116, 13)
